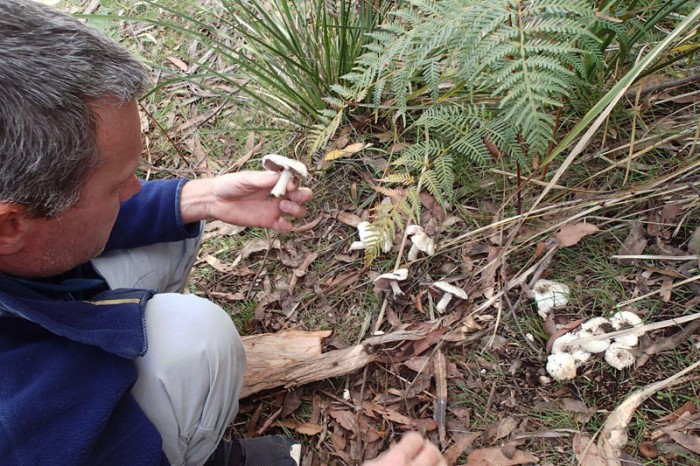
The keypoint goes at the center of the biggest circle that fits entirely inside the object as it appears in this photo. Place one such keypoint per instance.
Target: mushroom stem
(444, 301)
(280, 188)
(413, 253)
(395, 288)
(357, 245)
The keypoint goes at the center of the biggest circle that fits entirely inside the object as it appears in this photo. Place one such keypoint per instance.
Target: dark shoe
(271, 450)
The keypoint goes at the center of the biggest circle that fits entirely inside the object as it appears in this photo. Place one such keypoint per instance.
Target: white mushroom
(420, 241)
(289, 168)
(449, 291)
(549, 294)
(563, 345)
(623, 320)
(594, 327)
(619, 356)
(561, 366)
(389, 281)
(367, 237)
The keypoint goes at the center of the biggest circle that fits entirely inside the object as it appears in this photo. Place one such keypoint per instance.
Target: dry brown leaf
(691, 442)
(347, 150)
(218, 264)
(571, 233)
(306, 428)
(587, 452)
(634, 244)
(257, 245)
(460, 445)
(495, 457)
(694, 243)
(688, 407)
(348, 218)
(179, 63)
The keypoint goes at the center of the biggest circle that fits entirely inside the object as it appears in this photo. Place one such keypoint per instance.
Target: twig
(652, 257)
(660, 290)
(666, 85)
(639, 328)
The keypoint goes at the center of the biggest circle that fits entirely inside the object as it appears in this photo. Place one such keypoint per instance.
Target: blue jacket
(67, 347)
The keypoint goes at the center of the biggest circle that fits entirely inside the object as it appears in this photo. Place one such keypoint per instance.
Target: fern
(526, 54)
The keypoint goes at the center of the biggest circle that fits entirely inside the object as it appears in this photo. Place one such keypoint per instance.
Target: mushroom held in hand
(450, 291)
(389, 281)
(420, 241)
(288, 168)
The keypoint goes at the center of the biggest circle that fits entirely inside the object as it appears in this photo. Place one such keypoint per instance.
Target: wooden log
(291, 358)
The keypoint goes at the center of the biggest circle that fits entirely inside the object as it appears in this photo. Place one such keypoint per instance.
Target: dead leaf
(179, 63)
(495, 457)
(688, 407)
(257, 245)
(347, 150)
(691, 442)
(348, 218)
(501, 429)
(306, 428)
(308, 226)
(694, 243)
(587, 452)
(571, 233)
(218, 264)
(460, 445)
(634, 244)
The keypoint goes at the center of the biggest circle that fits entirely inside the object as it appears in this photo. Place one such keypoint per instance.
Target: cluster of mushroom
(572, 349)
(390, 282)
(420, 242)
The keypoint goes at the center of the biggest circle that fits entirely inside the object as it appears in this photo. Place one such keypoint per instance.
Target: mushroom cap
(626, 319)
(384, 280)
(424, 243)
(277, 163)
(593, 327)
(561, 366)
(414, 229)
(563, 345)
(550, 294)
(619, 356)
(453, 290)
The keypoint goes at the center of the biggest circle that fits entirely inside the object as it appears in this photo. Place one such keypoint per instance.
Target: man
(103, 361)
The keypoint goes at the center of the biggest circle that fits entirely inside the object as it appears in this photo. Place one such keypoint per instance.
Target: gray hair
(52, 67)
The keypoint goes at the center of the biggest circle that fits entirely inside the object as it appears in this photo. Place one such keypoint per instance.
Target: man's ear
(15, 223)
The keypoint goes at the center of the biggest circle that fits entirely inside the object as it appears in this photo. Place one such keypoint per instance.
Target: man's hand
(243, 199)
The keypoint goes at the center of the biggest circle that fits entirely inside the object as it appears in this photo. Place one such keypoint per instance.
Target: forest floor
(474, 377)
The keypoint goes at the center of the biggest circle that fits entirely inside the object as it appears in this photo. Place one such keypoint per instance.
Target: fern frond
(321, 134)
(405, 179)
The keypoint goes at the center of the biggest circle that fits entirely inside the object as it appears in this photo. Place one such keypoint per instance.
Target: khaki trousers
(190, 378)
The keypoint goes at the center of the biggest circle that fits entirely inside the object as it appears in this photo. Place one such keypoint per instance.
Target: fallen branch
(292, 358)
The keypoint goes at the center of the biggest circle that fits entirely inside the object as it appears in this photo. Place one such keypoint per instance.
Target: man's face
(80, 234)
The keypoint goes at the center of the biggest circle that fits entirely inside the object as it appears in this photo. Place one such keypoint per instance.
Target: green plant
(284, 55)
(519, 57)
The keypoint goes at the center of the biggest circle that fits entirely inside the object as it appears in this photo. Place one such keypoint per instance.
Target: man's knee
(186, 330)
